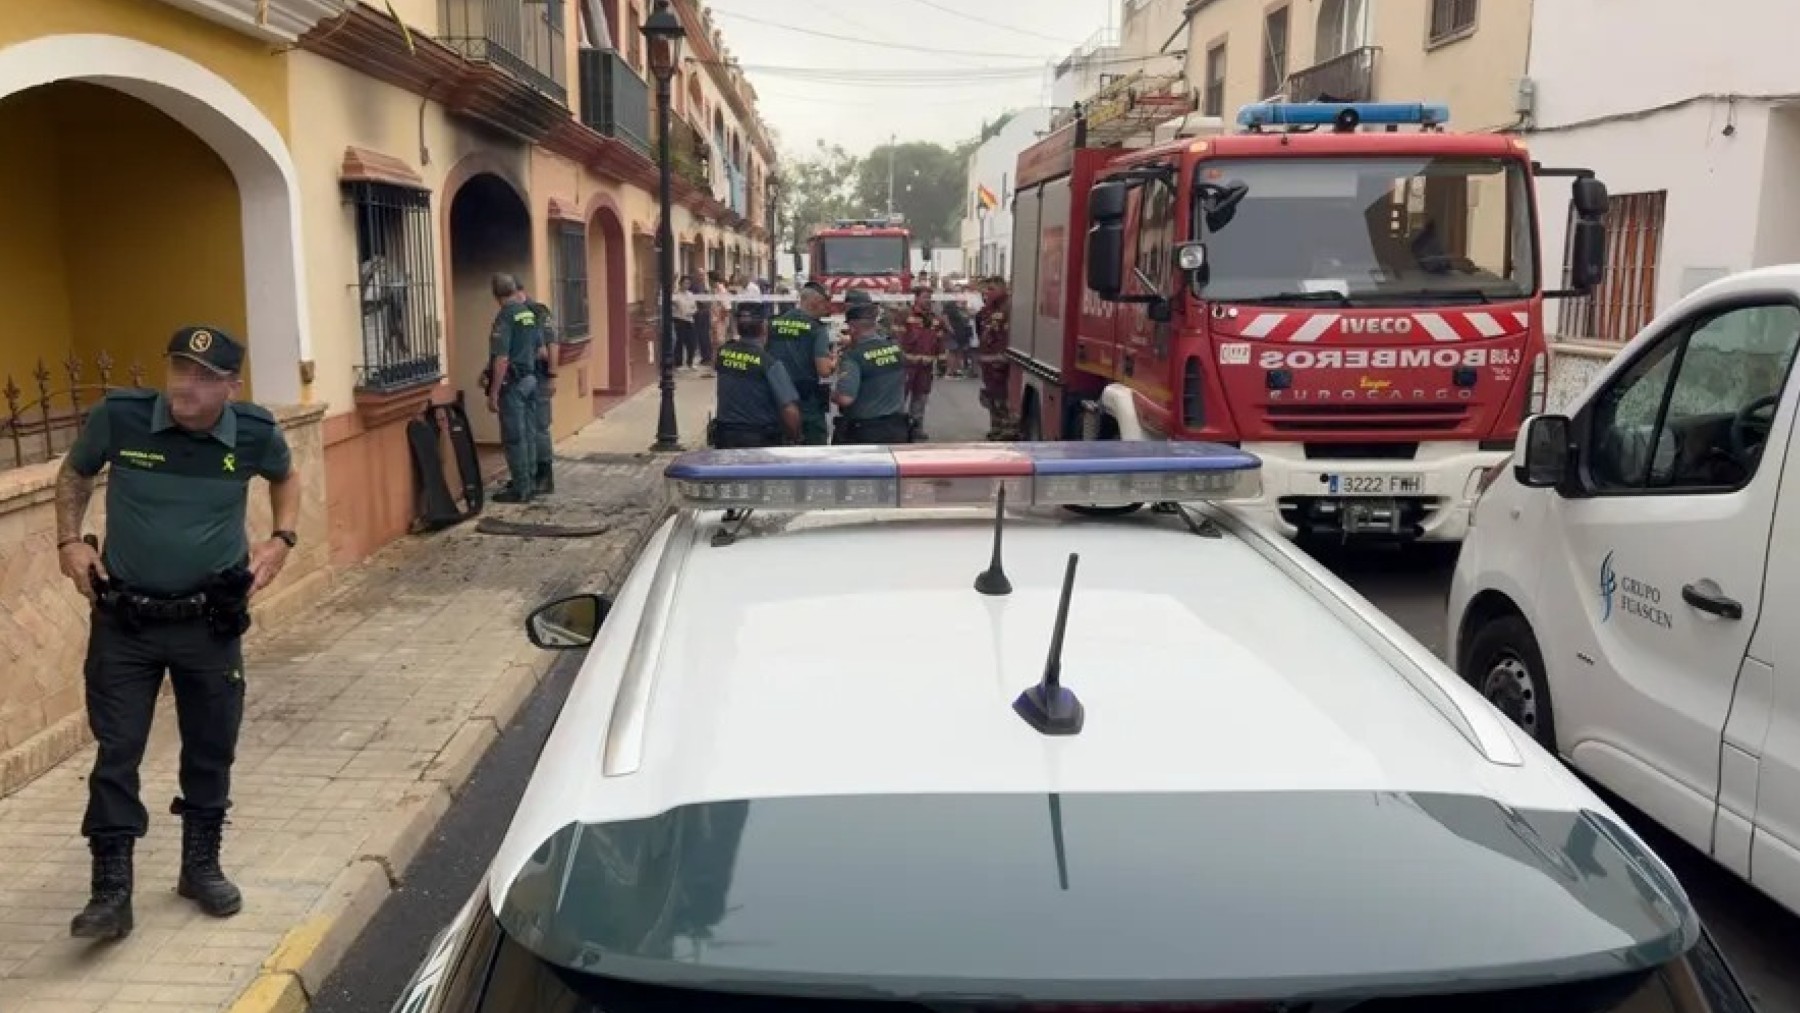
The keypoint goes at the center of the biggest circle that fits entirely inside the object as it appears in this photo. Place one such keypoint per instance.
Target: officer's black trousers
(124, 673)
(886, 429)
(729, 437)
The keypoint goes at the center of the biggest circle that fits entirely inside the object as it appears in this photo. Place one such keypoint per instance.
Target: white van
(1629, 592)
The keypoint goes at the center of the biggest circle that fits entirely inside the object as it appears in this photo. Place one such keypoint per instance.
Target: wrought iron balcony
(614, 100)
(1349, 77)
(522, 37)
(690, 153)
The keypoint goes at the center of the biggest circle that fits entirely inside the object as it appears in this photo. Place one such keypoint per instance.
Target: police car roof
(809, 734)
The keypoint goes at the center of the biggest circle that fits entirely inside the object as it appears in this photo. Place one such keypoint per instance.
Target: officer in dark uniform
(543, 445)
(171, 594)
(800, 340)
(512, 386)
(871, 380)
(758, 405)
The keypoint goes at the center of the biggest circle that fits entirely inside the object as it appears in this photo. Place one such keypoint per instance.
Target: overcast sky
(852, 72)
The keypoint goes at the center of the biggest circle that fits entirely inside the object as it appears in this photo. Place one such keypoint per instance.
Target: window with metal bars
(1625, 302)
(1214, 98)
(1451, 17)
(568, 243)
(396, 282)
(1275, 52)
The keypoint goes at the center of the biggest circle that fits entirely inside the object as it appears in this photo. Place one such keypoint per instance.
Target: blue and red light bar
(935, 475)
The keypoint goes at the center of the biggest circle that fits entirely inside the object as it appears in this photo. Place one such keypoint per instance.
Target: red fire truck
(1361, 308)
(871, 254)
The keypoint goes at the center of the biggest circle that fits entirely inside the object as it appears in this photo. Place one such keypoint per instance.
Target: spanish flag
(986, 197)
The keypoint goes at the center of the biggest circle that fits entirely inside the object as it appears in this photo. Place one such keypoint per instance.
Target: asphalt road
(1757, 937)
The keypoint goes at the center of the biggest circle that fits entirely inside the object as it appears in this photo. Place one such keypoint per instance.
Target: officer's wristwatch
(289, 537)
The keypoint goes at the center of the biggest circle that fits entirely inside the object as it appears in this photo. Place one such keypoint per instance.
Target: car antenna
(992, 581)
(1047, 706)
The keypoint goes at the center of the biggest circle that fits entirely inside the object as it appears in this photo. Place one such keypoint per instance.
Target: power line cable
(883, 44)
(992, 24)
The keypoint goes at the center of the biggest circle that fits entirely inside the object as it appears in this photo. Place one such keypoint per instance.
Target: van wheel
(1505, 665)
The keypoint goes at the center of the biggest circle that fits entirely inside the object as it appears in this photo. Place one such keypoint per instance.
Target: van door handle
(1705, 597)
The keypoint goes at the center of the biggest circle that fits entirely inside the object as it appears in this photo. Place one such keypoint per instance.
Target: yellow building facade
(1469, 54)
(335, 182)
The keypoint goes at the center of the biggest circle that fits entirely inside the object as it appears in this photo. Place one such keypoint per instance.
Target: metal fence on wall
(44, 414)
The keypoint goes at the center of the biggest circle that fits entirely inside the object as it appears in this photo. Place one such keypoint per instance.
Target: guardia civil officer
(871, 380)
(512, 386)
(170, 589)
(758, 405)
(801, 341)
(543, 446)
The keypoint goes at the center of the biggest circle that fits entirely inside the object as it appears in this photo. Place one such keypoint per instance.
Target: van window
(1156, 234)
(1693, 412)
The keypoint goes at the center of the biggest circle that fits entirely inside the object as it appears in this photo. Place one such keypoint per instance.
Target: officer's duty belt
(158, 608)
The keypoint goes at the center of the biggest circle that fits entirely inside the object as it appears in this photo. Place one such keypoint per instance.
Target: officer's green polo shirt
(175, 500)
(516, 335)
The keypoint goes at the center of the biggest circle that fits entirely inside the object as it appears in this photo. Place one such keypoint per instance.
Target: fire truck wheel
(1104, 428)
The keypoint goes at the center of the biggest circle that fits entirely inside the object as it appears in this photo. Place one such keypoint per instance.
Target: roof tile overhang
(364, 166)
(373, 44)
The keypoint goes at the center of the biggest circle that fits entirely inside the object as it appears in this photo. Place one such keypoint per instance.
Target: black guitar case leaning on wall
(462, 441)
(436, 509)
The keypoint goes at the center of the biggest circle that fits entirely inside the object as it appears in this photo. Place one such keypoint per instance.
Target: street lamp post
(770, 213)
(662, 31)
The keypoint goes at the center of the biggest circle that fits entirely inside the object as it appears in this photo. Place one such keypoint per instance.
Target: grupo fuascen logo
(1609, 584)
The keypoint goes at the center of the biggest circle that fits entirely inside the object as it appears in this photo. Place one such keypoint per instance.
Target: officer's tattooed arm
(73, 493)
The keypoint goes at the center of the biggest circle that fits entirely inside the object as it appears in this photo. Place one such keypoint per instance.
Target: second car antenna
(992, 581)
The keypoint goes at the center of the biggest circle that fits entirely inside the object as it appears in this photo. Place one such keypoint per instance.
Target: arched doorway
(204, 229)
(490, 232)
(610, 301)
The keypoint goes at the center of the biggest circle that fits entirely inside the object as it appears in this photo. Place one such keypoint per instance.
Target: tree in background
(817, 190)
(929, 180)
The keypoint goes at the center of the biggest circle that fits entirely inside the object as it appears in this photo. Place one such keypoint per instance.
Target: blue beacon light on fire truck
(1344, 115)
(803, 479)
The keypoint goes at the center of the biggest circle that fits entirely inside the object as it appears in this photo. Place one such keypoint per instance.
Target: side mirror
(1106, 202)
(1191, 258)
(1587, 254)
(1590, 198)
(1549, 453)
(1105, 259)
(567, 623)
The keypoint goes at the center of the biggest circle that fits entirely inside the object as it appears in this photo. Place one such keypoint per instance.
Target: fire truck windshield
(1371, 230)
(865, 256)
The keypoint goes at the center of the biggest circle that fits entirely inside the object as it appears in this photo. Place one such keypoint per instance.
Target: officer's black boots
(202, 881)
(546, 480)
(108, 911)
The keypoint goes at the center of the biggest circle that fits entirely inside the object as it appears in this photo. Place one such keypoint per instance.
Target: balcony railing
(690, 154)
(1346, 78)
(614, 100)
(522, 37)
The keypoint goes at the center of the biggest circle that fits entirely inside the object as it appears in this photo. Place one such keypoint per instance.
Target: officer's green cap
(754, 312)
(858, 306)
(208, 346)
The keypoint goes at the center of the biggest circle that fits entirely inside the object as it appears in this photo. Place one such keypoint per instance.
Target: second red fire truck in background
(1363, 309)
(874, 255)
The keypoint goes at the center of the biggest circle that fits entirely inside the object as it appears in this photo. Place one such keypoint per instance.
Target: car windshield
(861, 255)
(1370, 229)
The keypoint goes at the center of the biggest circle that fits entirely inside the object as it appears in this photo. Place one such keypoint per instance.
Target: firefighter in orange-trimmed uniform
(991, 328)
(922, 342)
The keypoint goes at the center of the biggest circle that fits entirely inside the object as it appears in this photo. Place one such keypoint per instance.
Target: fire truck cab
(870, 254)
(1359, 305)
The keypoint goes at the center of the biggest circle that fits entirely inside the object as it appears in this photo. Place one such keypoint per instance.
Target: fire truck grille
(1292, 418)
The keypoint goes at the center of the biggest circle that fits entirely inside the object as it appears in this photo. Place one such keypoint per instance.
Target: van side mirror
(1590, 198)
(1106, 202)
(567, 623)
(1587, 254)
(1548, 452)
(1105, 259)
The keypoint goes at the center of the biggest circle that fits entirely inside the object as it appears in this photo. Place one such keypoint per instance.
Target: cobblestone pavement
(363, 717)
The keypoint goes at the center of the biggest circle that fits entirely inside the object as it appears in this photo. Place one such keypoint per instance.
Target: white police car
(853, 739)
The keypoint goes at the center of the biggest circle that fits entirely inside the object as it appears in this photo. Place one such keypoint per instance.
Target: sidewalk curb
(311, 950)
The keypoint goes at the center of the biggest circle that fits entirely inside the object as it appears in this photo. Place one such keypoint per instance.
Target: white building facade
(987, 235)
(1085, 69)
(1696, 135)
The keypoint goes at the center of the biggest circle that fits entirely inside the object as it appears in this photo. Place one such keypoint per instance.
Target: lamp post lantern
(662, 31)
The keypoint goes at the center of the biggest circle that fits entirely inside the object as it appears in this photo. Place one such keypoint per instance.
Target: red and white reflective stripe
(1307, 328)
